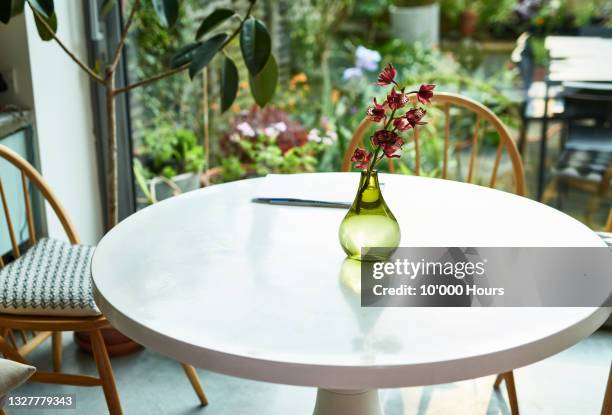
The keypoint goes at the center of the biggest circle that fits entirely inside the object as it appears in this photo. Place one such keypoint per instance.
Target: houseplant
(416, 20)
(168, 162)
(194, 57)
(262, 141)
(209, 42)
(369, 222)
(469, 18)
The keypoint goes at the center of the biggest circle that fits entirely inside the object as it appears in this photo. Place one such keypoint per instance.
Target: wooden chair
(446, 100)
(43, 327)
(482, 113)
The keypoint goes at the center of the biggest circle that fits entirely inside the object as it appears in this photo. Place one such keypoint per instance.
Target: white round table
(256, 291)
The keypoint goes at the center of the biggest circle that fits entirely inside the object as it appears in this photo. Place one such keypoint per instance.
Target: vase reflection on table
(369, 223)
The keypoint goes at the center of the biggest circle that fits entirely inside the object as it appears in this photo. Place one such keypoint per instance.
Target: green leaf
(106, 7)
(184, 55)
(205, 52)
(255, 44)
(213, 20)
(167, 11)
(229, 83)
(42, 30)
(263, 85)
(5, 11)
(44, 7)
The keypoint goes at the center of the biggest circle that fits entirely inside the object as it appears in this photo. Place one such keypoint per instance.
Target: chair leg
(498, 381)
(10, 352)
(510, 388)
(606, 408)
(522, 141)
(56, 342)
(550, 193)
(106, 373)
(192, 375)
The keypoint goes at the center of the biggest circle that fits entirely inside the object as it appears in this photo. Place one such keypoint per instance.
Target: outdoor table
(255, 291)
(573, 59)
(560, 47)
(586, 69)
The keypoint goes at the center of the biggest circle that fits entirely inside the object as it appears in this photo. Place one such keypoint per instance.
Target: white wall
(64, 123)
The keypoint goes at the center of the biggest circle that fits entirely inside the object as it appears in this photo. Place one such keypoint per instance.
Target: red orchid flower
(387, 76)
(376, 112)
(384, 138)
(396, 100)
(361, 157)
(390, 149)
(401, 124)
(425, 93)
(414, 116)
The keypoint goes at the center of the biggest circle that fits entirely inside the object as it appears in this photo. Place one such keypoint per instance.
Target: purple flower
(350, 73)
(366, 59)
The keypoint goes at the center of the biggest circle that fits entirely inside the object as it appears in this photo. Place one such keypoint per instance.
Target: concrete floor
(570, 383)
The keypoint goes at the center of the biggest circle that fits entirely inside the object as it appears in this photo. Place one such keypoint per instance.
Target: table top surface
(258, 291)
(579, 58)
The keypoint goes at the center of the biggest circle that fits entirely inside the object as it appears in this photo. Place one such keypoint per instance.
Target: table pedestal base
(336, 402)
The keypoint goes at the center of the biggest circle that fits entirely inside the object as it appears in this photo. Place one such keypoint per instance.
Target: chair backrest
(28, 172)
(482, 113)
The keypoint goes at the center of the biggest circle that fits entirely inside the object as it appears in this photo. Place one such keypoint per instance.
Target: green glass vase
(369, 223)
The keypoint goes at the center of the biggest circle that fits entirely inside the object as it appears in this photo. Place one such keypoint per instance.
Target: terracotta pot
(469, 22)
(116, 343)
(539, 73)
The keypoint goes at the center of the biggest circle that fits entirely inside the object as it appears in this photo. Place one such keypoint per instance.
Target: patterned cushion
(52, 278)
(586, 165)
(607, 237)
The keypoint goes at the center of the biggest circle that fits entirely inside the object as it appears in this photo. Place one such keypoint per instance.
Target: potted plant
(416, 20)
(469, 18)
(169, 162)
(262, 141)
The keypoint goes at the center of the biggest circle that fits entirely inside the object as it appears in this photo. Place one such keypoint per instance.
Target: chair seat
(585, 165)
(51, 279)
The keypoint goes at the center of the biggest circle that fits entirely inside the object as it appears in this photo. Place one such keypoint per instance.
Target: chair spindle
(474, 150)
(498, 157)
(28, 205)
(7, 215)
(446, 139)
